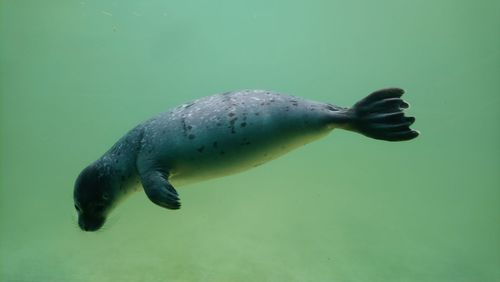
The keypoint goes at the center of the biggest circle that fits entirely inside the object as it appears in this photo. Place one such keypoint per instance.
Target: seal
(221, 135)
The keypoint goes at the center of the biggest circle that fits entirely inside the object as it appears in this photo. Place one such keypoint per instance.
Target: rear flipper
(380, 115)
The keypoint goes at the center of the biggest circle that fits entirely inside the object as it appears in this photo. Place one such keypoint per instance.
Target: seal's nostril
(86, 227)
(91, 223)
(82, 225)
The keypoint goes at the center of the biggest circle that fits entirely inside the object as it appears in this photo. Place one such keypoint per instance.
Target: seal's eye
(77, 208)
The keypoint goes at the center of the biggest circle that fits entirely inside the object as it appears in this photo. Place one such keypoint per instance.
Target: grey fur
(221, 135)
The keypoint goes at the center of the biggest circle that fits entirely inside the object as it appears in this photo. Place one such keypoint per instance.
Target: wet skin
(92, 201)
(220, 135)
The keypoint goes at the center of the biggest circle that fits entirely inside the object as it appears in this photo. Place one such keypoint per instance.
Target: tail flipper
(380, 115)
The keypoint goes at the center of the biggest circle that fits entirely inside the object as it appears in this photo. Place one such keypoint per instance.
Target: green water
(76, 75)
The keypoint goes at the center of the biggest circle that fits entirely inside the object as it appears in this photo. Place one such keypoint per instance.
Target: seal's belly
(228, 157)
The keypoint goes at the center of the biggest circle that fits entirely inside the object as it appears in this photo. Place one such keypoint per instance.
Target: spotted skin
(231, 132)
(221, 135)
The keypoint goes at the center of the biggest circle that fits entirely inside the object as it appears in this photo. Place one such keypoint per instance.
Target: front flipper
(159, 190)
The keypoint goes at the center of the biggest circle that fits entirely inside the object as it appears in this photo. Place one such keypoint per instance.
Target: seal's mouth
(87, 223)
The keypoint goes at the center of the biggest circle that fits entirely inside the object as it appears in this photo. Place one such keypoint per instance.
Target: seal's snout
(91, 224)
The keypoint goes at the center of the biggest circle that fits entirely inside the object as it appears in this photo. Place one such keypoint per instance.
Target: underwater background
(77, 75)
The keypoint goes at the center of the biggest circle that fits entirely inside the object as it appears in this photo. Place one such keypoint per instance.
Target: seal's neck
(119, 162)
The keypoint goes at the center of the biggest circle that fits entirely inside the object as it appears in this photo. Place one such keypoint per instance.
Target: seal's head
(93, 198)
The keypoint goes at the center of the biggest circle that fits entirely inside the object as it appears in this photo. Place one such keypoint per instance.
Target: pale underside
(235, 161)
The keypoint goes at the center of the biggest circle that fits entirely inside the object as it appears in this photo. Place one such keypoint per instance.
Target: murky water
(76, 75)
